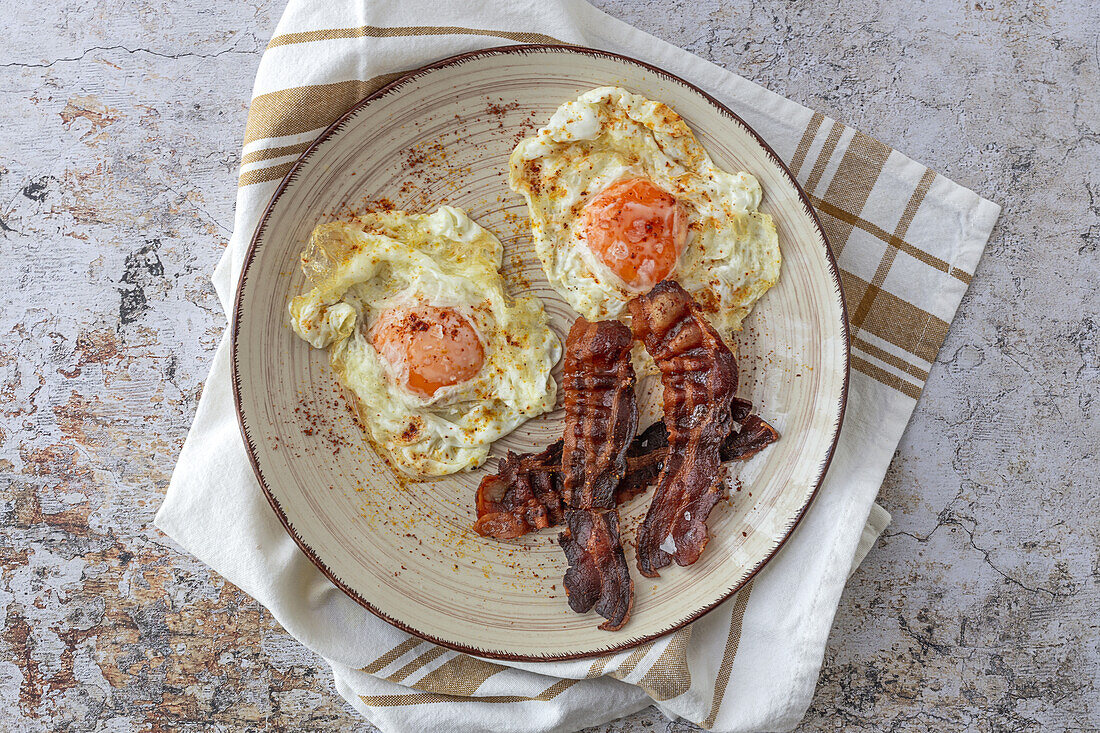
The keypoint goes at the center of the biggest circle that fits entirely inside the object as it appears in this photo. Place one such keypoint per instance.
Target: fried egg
(412, 310)
(621, 195)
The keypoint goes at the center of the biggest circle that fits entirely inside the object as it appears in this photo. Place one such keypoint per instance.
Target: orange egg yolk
(429, 347)
(637, 230)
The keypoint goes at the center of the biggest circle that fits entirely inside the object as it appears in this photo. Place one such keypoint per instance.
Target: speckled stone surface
(120, 128)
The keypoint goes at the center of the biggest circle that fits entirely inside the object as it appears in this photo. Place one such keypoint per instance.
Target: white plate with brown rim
(406, 550)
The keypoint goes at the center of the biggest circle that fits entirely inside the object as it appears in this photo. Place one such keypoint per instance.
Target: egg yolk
(637, 230)
(430, 347)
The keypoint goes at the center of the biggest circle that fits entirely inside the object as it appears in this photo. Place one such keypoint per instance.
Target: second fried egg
(621, 195)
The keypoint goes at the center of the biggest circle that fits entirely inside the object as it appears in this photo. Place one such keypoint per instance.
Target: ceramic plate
(442, 135)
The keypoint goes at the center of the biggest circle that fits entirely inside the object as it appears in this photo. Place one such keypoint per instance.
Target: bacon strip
(699, 376)
(601, 417)
(525, 493)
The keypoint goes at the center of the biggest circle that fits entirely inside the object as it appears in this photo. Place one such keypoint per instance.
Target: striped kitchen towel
(907, 241)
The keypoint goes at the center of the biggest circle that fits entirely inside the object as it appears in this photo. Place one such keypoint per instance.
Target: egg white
(395, 259)
(732, 253)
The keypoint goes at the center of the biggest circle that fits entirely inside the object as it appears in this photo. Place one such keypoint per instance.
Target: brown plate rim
(250, 255)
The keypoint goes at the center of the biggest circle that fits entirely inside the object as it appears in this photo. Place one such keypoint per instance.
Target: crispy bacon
(508, 505)
(524, 495)
(644, 459)
(699, 376)
(598, 575)
(754, 436)
(601, 417)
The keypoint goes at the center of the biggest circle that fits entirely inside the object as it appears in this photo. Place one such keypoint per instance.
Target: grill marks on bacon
(601, 412)
(699, 376)
(601, 417)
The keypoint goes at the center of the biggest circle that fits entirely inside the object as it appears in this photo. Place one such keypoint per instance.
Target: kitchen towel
(907, 241)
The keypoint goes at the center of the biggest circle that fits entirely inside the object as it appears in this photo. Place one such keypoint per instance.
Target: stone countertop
(120, 127)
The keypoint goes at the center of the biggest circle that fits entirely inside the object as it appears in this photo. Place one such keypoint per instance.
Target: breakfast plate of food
(540, 352)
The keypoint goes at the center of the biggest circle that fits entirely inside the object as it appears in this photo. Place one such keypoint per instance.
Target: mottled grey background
(120, 128)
